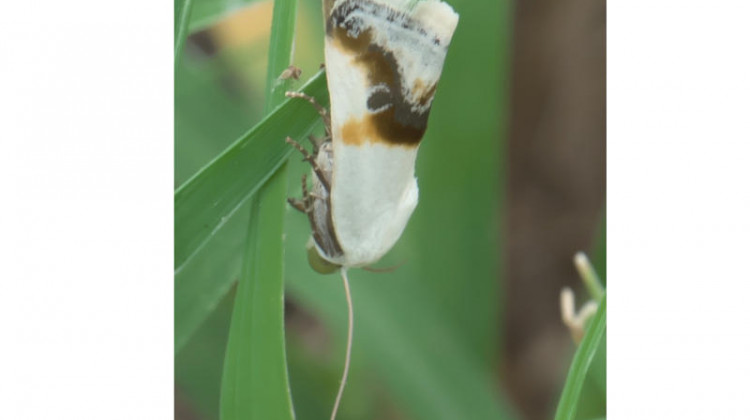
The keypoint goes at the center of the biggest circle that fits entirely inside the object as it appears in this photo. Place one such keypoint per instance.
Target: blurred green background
(443, 336)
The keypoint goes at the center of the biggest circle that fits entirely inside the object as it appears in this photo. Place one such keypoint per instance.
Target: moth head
(317, 262)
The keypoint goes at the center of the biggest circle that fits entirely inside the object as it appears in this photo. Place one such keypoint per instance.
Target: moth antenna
(350, 334)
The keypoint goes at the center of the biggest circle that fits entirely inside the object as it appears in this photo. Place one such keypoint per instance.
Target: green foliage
(182, 10)
(206, 202)
(254, 383)
(426, 334)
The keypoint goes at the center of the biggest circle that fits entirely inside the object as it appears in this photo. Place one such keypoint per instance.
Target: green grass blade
(280, 51)
(182, 9)
(207, 278)
(255, 382)
(206, 201)
(566, 408)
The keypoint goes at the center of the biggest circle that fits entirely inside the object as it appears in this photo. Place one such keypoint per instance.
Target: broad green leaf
(255, 383)
(566, 408)
(206, 201)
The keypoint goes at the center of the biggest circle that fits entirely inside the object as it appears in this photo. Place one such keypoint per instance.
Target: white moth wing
(371, 207)
(383, 62)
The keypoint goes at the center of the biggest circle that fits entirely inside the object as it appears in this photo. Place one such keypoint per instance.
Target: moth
(383, 61)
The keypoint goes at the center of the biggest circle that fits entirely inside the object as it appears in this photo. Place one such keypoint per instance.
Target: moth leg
(311, 160)
(321, 110)
(302, 205)
(297, 204)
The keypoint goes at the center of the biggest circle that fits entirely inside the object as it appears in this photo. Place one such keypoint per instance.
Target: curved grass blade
(255, 383)
(566, 408)
(182, 10)
(205, 202)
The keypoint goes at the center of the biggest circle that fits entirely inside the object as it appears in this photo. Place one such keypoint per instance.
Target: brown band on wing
(379, 127)
(393, 118)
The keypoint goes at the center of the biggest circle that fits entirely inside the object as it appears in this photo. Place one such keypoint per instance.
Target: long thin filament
(348, 343)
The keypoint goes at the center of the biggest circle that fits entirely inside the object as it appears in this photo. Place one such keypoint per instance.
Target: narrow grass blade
(182, 9)
(208, 277)
(206, 201)
(255, 382)
(280, 51)
(566, 408)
